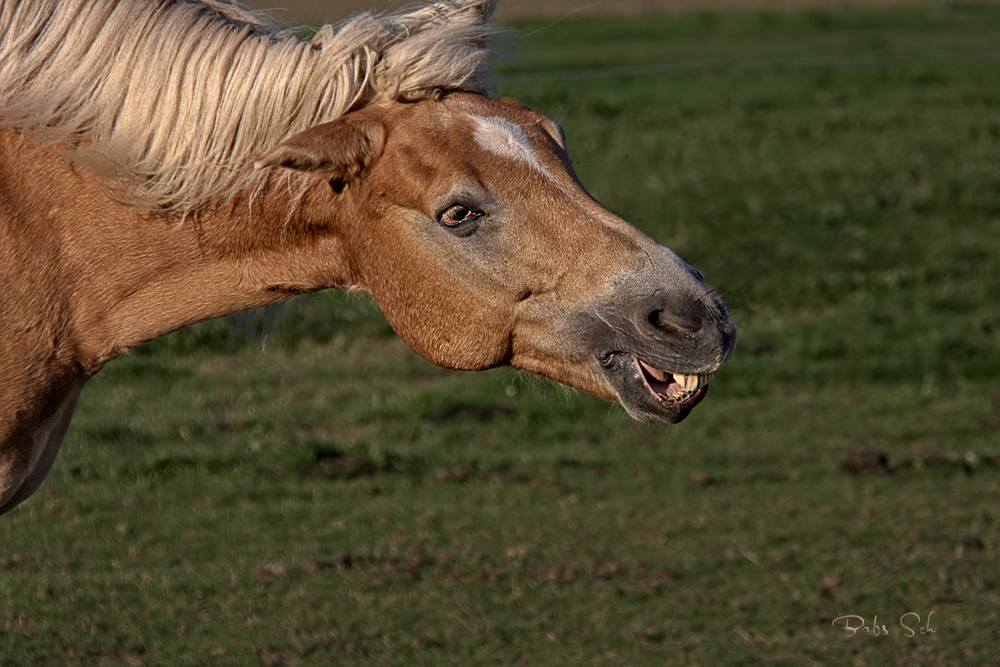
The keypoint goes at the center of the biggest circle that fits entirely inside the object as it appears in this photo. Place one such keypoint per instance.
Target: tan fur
(543, 278)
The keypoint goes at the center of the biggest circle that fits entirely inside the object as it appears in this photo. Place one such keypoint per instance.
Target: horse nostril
(687, 320)
(672, 324)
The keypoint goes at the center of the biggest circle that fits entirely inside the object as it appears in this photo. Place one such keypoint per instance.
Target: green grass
(338, 500)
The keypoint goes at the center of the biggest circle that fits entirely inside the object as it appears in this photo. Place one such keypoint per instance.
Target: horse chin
(651, 395)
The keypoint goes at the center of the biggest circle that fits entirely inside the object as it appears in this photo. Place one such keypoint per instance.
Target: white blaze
(500, 136)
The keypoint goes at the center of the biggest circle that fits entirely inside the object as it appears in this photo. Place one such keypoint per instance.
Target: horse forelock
(172, 101)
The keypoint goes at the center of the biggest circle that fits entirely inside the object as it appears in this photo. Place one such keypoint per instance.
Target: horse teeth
(693, 381)
(689, 386)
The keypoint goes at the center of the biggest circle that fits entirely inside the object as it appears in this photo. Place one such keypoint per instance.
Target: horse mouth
(674, 388)
(651, 394)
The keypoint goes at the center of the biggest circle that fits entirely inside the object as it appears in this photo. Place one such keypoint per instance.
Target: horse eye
(457, 217)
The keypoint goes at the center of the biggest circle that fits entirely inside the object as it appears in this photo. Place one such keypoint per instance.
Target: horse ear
(338, 151)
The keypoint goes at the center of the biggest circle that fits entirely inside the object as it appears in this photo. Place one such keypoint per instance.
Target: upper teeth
(689, 385)
(693, 382)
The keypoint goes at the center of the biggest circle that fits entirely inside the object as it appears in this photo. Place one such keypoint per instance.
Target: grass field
(338, 500)
(315, 12)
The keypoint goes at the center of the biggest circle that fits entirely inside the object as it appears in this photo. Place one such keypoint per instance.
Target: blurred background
(317, 12)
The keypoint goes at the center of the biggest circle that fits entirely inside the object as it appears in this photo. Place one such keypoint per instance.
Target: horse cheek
(444, 323)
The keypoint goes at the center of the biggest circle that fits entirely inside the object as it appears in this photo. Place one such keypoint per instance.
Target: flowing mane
(172, 100)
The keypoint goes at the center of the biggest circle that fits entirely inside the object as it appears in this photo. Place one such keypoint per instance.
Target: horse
(163, 162)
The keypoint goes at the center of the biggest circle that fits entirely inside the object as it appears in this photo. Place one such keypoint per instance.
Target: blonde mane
(172, 100)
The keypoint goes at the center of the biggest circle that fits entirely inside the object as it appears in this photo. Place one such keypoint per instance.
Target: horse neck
(119, 276)
(249, 253)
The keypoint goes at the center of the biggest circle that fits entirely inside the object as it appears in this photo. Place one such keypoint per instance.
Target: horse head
(463, 217)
